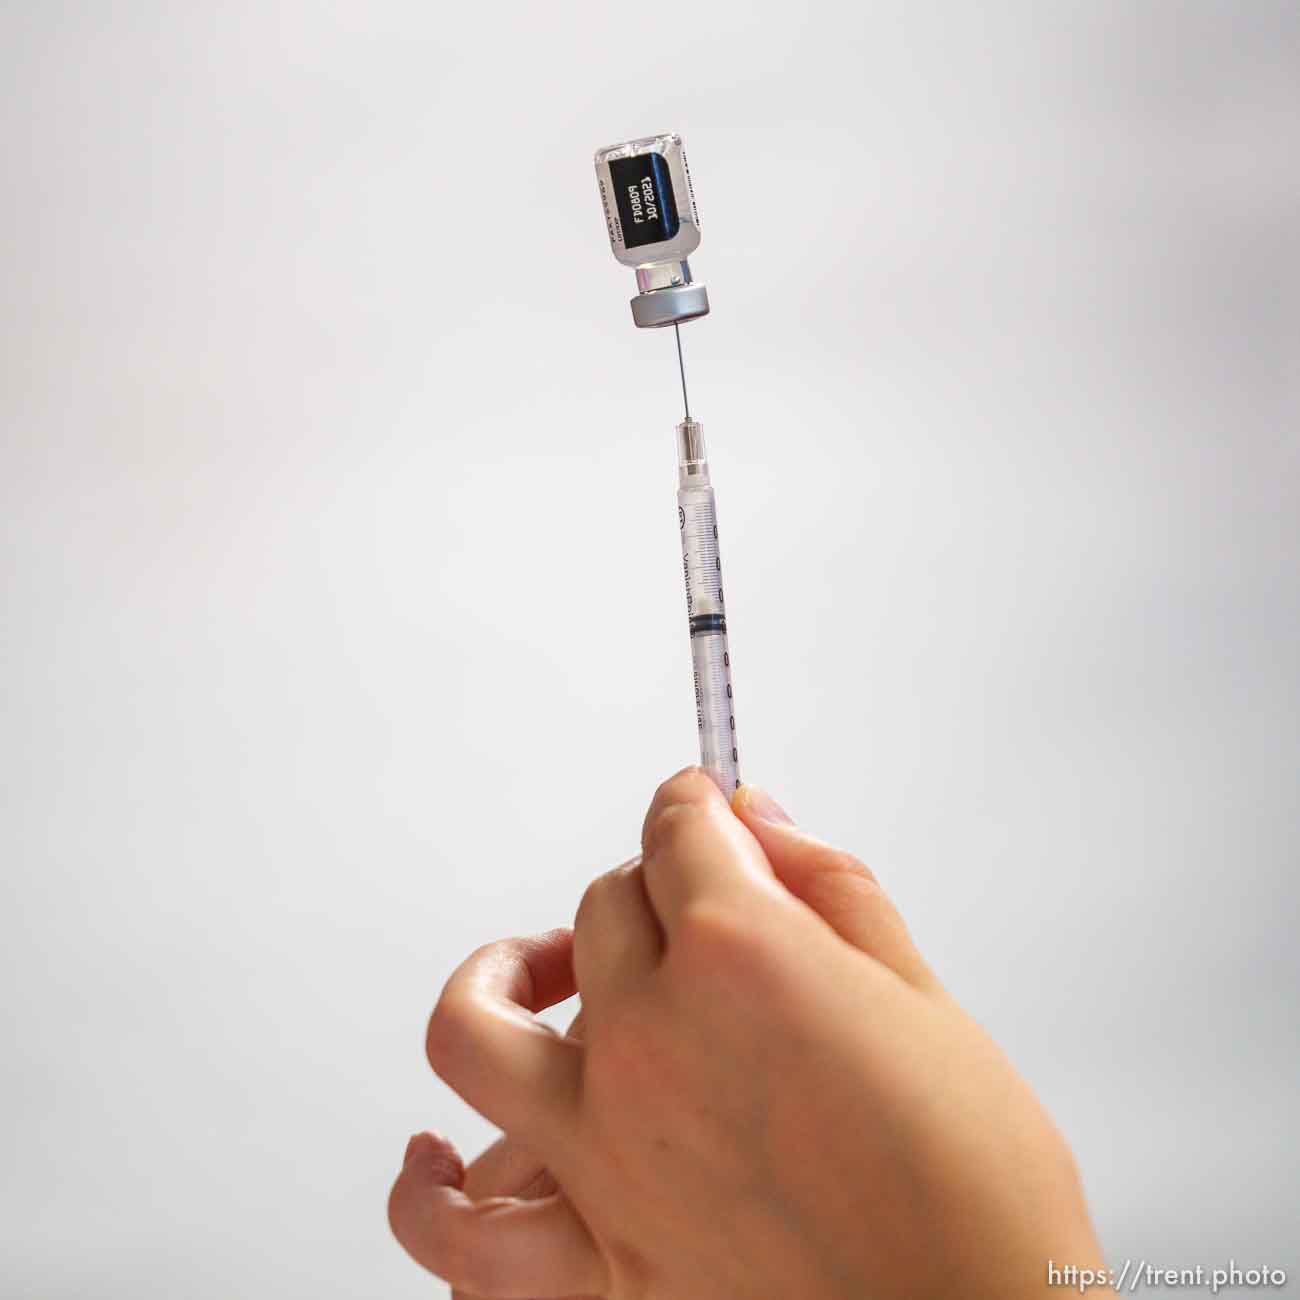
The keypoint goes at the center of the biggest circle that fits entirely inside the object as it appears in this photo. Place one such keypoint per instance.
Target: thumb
(835, 884)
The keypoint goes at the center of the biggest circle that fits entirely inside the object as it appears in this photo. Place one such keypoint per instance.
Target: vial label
(643, 192)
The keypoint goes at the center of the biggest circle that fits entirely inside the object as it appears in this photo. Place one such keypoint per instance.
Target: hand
(774, 1097)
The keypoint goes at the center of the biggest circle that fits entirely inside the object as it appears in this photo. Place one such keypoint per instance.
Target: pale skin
(769, 1094)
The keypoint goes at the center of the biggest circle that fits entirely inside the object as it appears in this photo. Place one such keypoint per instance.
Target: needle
(682, 367)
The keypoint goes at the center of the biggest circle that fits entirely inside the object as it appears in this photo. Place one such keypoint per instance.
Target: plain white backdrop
(343, 625)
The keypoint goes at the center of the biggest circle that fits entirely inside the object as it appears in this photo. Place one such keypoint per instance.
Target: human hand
(774, 1095)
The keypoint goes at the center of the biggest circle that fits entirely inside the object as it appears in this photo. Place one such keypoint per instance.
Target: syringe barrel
(697, 518)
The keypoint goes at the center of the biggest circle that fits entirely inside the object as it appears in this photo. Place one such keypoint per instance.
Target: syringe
(697, 518)
(653, 226)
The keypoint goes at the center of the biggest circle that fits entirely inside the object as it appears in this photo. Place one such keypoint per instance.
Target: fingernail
(761, 804)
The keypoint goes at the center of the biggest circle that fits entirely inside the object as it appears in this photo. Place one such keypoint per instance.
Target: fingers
(500, 1247)
(507, 1168)
(510, 1168)
(843, 892)
(616, 938)
(484, 1041)
(695, 850)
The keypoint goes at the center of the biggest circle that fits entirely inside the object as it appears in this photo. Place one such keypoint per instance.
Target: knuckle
(594, 895)
(605, 885)
(840, 862)
(428, 1234)
(444, 1038)
(586, 904)
(443, 1243)
(839, 885)
(453, 1016)
(672, 825)
(691, 782)
(690, 785)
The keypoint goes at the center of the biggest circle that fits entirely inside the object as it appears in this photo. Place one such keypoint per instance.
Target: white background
(343, 624)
